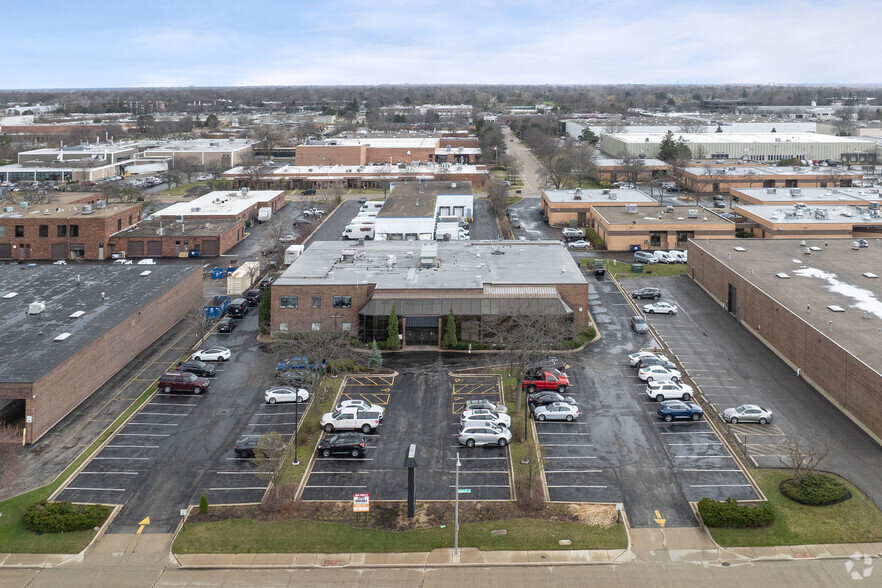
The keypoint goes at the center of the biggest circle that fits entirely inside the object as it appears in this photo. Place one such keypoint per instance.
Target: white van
(359, 232)
(664, 257)
(374, 205)
(366, 214)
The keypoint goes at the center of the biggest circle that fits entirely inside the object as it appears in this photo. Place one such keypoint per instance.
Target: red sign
(361, 503)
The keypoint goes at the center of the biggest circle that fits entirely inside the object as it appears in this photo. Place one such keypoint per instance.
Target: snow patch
(863, 299)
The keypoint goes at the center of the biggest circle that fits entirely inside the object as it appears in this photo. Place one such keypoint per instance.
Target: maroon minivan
(183, 382)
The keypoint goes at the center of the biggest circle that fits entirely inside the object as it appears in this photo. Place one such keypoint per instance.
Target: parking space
(422, 407)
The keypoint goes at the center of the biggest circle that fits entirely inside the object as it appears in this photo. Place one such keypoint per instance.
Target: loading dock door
(209, 248)
(154, 248)
(733, 300)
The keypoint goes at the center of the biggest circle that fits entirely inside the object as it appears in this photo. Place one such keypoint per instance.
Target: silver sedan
(747, 413)
(556, 411)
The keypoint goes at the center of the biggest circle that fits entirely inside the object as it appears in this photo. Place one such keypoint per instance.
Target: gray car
(556, 411)
(747, 413)
(484, 434)
(638, 324)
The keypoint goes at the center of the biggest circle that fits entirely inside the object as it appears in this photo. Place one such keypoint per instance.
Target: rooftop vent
(783, 276)
(836, 308)
(870, 275)
(77, 314)
(61, 337)
(36, 307)
(740, 249)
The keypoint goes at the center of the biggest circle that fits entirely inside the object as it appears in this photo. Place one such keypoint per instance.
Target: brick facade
(177, 244)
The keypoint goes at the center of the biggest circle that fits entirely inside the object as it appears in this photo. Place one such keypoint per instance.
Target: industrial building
(761, 147)
(72, 163)
(388, 150)
(69, 329)
(166, 237)
(816, 304)
(788, 196)
(341, 287)
(223, 153)
(573, 207)
(724, 179)
(628, 228)
(229, 205)
(791, 220)
(611, 170)
(412, 209)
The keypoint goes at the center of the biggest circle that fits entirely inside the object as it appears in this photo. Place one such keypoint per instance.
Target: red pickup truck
(543, 380)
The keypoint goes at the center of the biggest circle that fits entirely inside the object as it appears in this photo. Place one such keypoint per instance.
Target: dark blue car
(677, 409)
(301, 362)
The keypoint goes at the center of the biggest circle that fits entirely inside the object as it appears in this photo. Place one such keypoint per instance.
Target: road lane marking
(718, 485)
(164, 414)
(569, 457)
(705, 443)
(141, 435)
(243, 488)
(121, 473)
(155, 424)
(139, 458)
(568, 444)
(96, 489)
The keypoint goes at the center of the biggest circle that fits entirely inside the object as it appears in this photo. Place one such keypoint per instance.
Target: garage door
(209, 248)
(5, 250)
(154, 248)
(59, 251)
(136, 249)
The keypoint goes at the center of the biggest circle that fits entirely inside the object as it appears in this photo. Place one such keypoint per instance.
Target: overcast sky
(63, 44)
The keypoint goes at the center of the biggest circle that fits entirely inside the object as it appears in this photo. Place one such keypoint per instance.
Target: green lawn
(14, 538)
(304, 536)
(181, 189)
(854, 521)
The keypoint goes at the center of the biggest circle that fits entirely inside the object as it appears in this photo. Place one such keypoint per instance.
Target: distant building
(411, 210)
(428, 112)
(179, 238)
(724, 179)
(611, 170)
(388, 150)
(223, 153)
(240, 205)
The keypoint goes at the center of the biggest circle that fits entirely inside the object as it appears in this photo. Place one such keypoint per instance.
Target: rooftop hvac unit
(101, 204)
(9, 209)
(795, 192)
(87, 209)
(36, 307)
(612, 196)
(24, 204)
(195, 209)
(771, 190)
(821, 214)
(692, 213)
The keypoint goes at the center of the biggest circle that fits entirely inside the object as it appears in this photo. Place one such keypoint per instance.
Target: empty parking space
(574, 471)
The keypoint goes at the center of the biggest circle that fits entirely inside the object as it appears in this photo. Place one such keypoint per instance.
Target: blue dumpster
(217, 273)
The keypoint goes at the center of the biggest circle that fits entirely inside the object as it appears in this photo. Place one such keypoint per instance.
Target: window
(119, 224)
(2, 230)
(75, 230)
(61, 231)
(316, 326)
(287, 302)
(283, 326)
(342, 302)
(316, 303)
(44, 230)
(347, 326)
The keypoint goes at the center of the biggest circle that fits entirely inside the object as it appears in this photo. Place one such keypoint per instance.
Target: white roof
(197, 145)
(221, 202)
(384, 142)
(738, 138)
(836, 214)
(612, 196)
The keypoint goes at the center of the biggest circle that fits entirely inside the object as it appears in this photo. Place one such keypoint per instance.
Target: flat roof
(158, 227)
(831, 276)
(379, 171)
(381, 142)
(417, 199)
(61, 168)
(656, 215)
(219, 203)
(610, 196)
(90, 149)
(603, 161)
(774, 170)
(28, 347)
(207, 145)
(71, 211)
(708, 138)
(844, 195)
(830, 214)
(462, 265)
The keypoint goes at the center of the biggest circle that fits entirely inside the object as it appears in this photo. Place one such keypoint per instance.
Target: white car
(122, 262)
(678, 256)
(634, 358)
(556, 411)
(660, 391)
(660, 308)
(747, 413)
(580, 244)
(203, 178)
(147, 261)
(481, 415)
(59, 262)
(274, 395)
(360, 404)
(657, 372)
(212, 354)
(484, 403)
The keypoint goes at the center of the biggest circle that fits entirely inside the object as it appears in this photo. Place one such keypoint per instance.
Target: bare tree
(844, 123)
(497, 192)
(614, 126)
(11, 458)
(333, 194)
(253, 170)
(512, 167)
(802, 459)
(556, 172)
(272, 241)
(323, 345)
(694, 127)
(632, 167)
(199, 322)
(583, 155)
(270, 136)
(186, 168)
(268, 456)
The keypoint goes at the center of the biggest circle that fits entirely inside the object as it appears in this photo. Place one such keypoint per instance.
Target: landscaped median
(622, 269)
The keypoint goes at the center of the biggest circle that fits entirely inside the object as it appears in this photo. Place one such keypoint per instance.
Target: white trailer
(292, 253)
(243, 278)
(264, 213)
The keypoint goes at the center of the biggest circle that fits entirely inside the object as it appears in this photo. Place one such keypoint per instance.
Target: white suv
(660, 391)
(573, 233)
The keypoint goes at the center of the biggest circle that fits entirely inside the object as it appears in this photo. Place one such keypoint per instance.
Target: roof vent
(61, 337)
(77, 314)
(36, 307)
(836, 308)
(783, 276)
(740, 249)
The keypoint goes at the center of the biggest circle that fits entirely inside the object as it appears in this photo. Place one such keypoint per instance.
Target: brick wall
(302, 318)
(63, 389)
(331, 155)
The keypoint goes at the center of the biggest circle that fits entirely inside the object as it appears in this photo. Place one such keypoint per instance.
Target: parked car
(547, 397)
(660, 308)
(350, 420)
(747, 413)
(678, 256)
(212, 354)
(308, 192)
(274, 395)
(643, 293)
(544, 380)
(253, 296)
(480, 415)
(301, 362)
(515, 221)
(660, 391)
(579, 244)
(599, 270)
(556, 411)
(657, 372)
(182, 382)
(638, 324)
(359, 404)
(350, 443)
(472, 434)
(245, 446)
(634, 358)
(226, 325)
(569, 233)
(265, 283)
(484, 403)
(719, 204)
(677, 409)
(664, 257)
(657, 360)
(645, 257)
(293, 377)
(200, 368)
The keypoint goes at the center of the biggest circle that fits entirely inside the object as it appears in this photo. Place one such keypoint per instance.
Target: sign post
(410, 462)
(361, 503)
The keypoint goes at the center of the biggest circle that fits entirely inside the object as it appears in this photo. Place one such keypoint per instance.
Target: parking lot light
(456, 509)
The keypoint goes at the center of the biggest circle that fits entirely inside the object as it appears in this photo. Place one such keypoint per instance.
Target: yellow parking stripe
(381, 399)
(371, 381)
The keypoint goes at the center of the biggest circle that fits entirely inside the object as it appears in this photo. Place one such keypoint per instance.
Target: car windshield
(193, 377)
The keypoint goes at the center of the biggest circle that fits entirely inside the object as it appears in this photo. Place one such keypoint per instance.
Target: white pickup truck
(350, 419)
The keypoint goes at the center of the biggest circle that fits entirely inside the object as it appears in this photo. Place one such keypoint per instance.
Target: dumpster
(637, 268)
(217, 273)
(217, 307)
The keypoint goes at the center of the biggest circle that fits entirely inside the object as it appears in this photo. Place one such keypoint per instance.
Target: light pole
(456, 511)
(297, 425)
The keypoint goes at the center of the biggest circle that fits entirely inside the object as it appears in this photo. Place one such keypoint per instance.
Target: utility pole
(456, 511)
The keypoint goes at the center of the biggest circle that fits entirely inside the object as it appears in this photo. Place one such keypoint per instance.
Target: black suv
(226, 325)
(599, 270)
(264, 283)
(253, 296)
(547, 397)
(200, 368)
(245, 446)
(653, 293)
(308, 192)
(342, 444)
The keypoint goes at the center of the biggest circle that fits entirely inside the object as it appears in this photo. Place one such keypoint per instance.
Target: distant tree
(512, 167)
(773, 130)
(631, 168)
(614, 126)
(212, 121)
(719, 129)
(692, 127)
(399, 118)
(186, 168)
(392, 340)
(253, 170)
(268, 456)
(269, 136)
(582, 154)
(449, 340)
(670, 150)
(376, 357)
(589, 136)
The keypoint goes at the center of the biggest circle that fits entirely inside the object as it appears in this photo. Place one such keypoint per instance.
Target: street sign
(361, 503)
(465, 490)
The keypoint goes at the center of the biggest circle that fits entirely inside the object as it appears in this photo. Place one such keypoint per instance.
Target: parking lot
(422, 407)
(180, 446)
(731, 367)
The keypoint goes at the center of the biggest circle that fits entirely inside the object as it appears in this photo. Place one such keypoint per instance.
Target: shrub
(815, 490)
(730, 514)
(376, 358)
(596, 241)
(203, 504)
(449, 340)
(264, 311)
(392, 341)
(61, 517)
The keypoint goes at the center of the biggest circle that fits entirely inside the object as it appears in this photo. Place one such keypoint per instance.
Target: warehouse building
(799, 220)
(243, 205)
(157, 237)
(223, 153)
(73, 163)
(761, 147)
(789, 196)
(629, 228)
(723, 179)
(573, 207)
(412, 209)
(339, 287)
(388, 150)
(820, 312)
(611, 170)
(67, 330)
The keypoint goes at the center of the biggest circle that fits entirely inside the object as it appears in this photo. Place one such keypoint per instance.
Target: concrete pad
(395, 558)
(356, 559)
(817, 550)
(588, 555)
(498, 556)
(370, 559)
(3, 557)
(691, 538)
(694, 555)
(285, 559)
(111, 544)
(439, 556)
(559, 556)
(223, 559)
(264, 559)
(800, 552)
(28, 559)
(542, 556)
(765, 551)
(743, 551)
(621, 555)
(836, 549)
(520, 557)
(877, 547)
(197, 559)
(867, 549)
(306, 559)
(416, 557)
(244, 559)
(159, 543)
(784, 551)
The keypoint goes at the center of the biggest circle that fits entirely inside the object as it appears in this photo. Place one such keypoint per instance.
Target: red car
(545, 380)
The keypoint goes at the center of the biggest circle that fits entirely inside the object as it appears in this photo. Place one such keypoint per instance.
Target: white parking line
(718, 485)
(237, 473)
(710, 470)
(574, 486)
(277, 413)
(271, 424)
(503, 472)
(573, 471)
(174, 394)
(169, 404)
(243, 488)
(121, 473)
(344, 459)
(726, 394)
(338, 486)
(155, 424)
(719, 386)
(164, 413)
(483, 486)
(464, 458)
(135, 446)
(553, 433)
(141, 435)
(690, 433)
(568, 445)
(109, 458)
(705, 443)
(706, 456)
(97, 489)
(569, 457)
